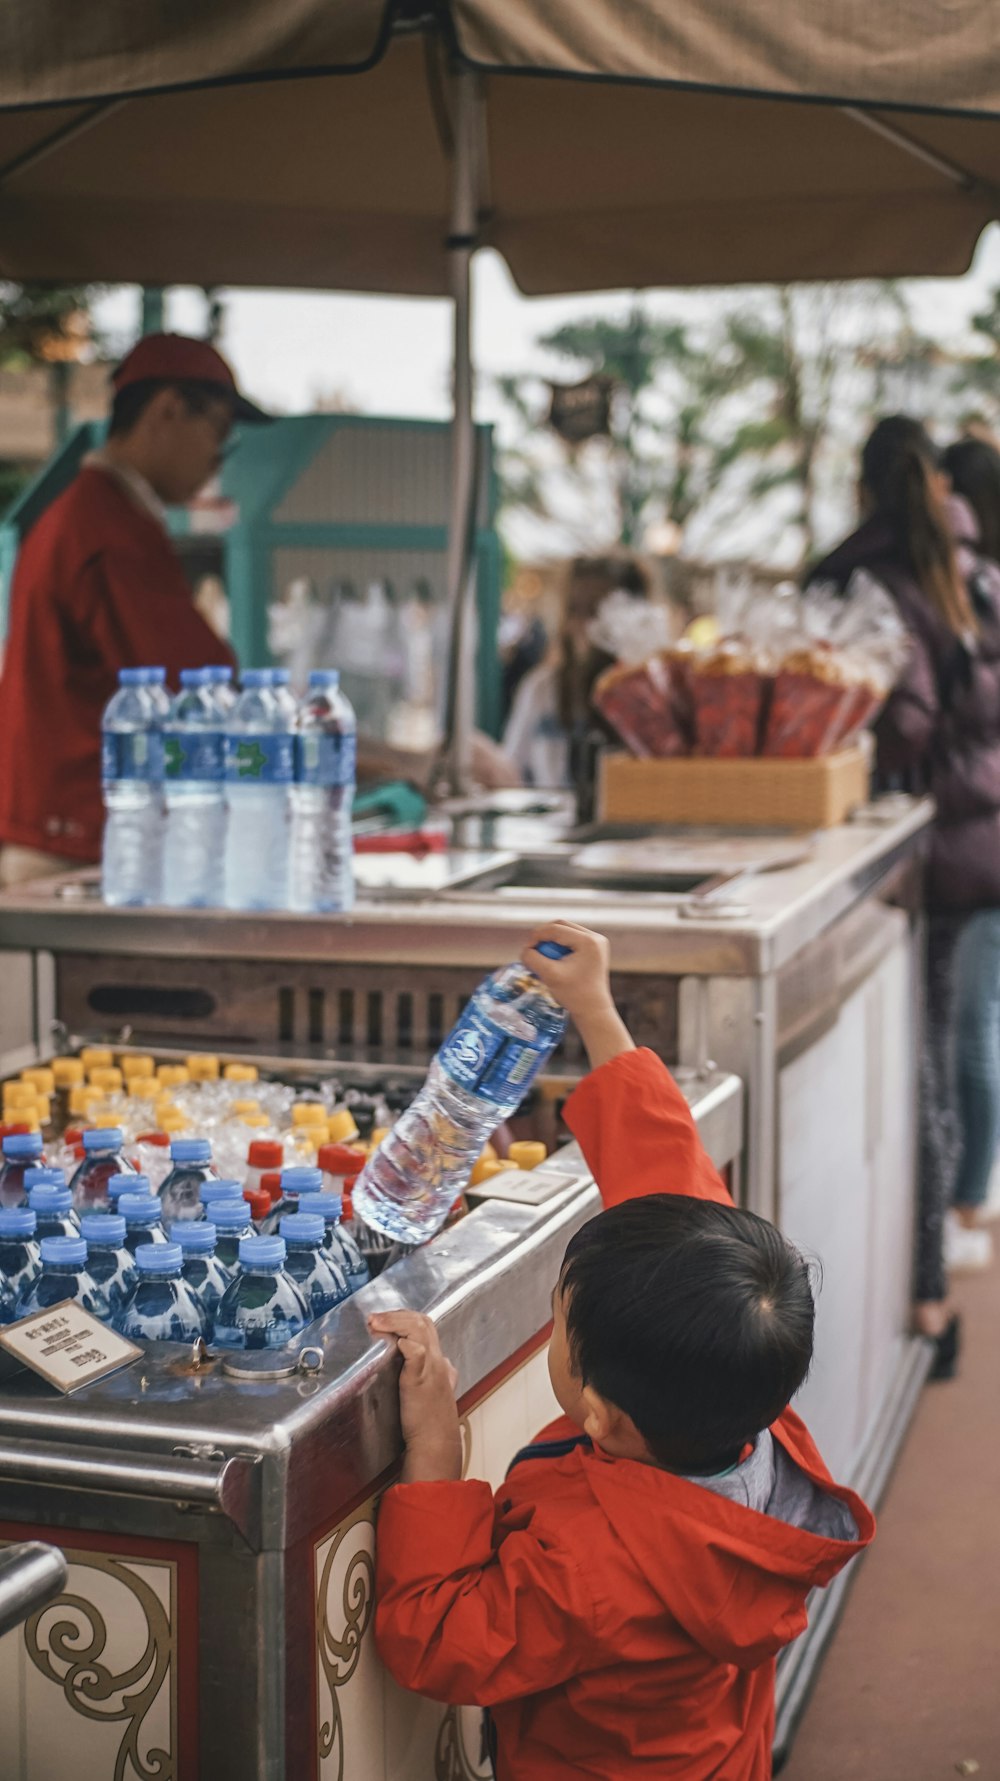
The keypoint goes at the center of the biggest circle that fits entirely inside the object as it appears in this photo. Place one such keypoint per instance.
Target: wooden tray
(755, 793)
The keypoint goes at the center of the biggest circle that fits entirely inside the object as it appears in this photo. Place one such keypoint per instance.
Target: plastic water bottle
(64, 1275)
(232, 1222)
(311, 1265)
(102, 1158)
(281, 686)
(108, 1260)
(294, 1183)
(52, 1205)
(215, 1188)
(20, 1261)
(220, 679)
(180, 1195)
(259, 771)
(337, 1239)
(195, 830)
(8, 1302)
(203, 1270)
(21, 1152)
(141, 1213)
(132, 783)
(126, 1184)
(162, 1307)
(155, 681)
(262, 1307)
(326, 746)
(479, 1078)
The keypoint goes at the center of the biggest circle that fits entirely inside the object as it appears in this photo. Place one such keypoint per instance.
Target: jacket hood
(736, 1578)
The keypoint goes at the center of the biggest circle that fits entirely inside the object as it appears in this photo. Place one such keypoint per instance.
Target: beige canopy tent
(347, 144)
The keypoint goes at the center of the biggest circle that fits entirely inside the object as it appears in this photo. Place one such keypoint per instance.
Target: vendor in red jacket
(98, 586)
(619, 1604)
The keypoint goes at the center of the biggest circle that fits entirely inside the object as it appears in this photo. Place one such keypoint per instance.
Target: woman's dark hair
(128, 404)
(576, 677)
(974, 468)
(694, 1318)
(898, 466)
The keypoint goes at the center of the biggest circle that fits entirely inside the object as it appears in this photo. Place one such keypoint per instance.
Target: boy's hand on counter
(581, 983)
(428, 1413)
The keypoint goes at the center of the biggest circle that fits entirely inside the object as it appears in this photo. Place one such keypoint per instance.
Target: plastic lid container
(340, 1159)
(301, 1181)
(191, 1150)
(343, 1127)
(68, 1071)
(262, 1252)
(527, 1155)
(328, 1207)
(22, 1145)
(67, 1251)
(127, 1184)
(230, 1215)
(298, 1227)
(324, 677)
(140, 1208)
(195, 1236)
(103, 1229)
(17, 1221)
(93, 1057)
(159, 1258)
(49, 1198)
(259, 1202)
(219, 1187)
(264, 1154)
(104, 1138)
(241, 1073)
(203, 1066)
(309, 1113)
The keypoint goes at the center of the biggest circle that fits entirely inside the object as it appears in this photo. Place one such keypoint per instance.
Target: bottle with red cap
(265, 1156)
(339, 1164)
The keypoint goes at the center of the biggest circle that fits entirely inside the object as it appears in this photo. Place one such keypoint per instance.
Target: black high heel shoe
(947, 1347)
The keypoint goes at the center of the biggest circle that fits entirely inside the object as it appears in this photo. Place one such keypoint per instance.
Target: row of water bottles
(224, 799)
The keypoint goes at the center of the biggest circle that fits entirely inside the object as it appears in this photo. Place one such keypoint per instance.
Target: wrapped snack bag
(730, 685)
(811, 701)
(641, 697)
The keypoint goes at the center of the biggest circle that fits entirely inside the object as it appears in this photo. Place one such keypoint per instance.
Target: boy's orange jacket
(618, 1620)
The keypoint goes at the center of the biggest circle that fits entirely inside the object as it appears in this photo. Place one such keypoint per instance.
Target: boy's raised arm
(632, 1121)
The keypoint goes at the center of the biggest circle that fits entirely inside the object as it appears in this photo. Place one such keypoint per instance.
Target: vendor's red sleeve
(638, 1135)
(463, 1620)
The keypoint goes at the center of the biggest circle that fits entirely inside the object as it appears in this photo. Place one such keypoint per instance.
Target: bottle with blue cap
(337, 1239)
(110, 1263)
(281, 686)
(294, 1183)
(162, 1306)
(156, 686)
(191, 1165)
(143, 1224)
(132, 784)
(313, 1267)
(483, 1071)
(20, 1261)
(218, 1187)
(232, 1222)
(220, 679)
(125, 1183)
(52, 1204)
(203, 1270)
(259, 772)
(322, 849)
(102, 1158)
(263, 1307)
(21, 1151)
(64, 1275)
(195, 834)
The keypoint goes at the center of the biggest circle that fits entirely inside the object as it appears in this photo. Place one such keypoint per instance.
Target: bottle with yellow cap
(203, 1066)
(136, 1063)
(172, 1075)
(96, 1057)
(342, 1127)
(41, 1078)
(107, 1076)
(240, 1109)
(69, 1073)
(19, 1094)
(309, 1113)
(241, 1073)
(143, 1088)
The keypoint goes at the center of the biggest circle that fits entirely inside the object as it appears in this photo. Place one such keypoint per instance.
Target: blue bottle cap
(70, 1251)
(17, 1221)
(262, 1252)
(156, 676)
(106, 1230)
(22, 1144)
(196, 1236)
(190, 1150)
(295, 1227)
(324, 677)
(253, 677)
(220, 1187)
(328, 1207)
(127, 1184)
(231, 1215)
(131, 677)
(159, 1258)
(219, 675)
(43, 1178)
(139, 1208)
(194, 677)
(551, 949)
(281, 677)
(49, 1198)
(301, 1181)
(107, 1137)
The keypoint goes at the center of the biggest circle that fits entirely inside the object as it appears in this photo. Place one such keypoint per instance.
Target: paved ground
(910, 1689)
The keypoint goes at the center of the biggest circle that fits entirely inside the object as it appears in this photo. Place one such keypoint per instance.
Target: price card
(67, 1346)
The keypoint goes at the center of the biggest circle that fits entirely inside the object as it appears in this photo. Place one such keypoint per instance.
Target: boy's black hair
(694, 1318)
(129, 403)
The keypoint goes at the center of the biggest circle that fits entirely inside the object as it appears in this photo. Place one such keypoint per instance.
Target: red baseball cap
(175, 358)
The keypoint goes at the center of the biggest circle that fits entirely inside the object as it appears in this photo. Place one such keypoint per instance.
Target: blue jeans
(977, 1063)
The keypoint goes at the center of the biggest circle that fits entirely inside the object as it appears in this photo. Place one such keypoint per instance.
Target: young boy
(619, 1605)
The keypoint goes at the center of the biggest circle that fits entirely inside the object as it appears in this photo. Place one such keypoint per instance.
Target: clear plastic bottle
(108, 1260)
(312, 1265)
(215, 1189)
(203, 1270)
(194, 848)
(281, 686)
(479, 1078)
(8, 1302)
(262, 1307)
(220, 679)
(155, 681)
(259, 771)
(102, 1158)
(20, 1261)
(322, 845)
(338, 1240)
(192, 1165)
(294, 1183)
(232, 1223)
(162, 1306)
(143, 1225)
(53, 1208)
(64, 1275)
(21, 1151)
(132, 784)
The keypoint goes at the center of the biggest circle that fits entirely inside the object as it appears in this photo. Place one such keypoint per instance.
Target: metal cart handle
(30, 1575)
(228, 1487)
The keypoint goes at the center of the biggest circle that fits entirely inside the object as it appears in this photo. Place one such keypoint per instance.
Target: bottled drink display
(20, 1260)
(180, 1194)
(132, 782)
(259, 764)
(322, 849)
(162, 1306)
(203, 1270)
(479, 1078)
(262, 1307)
(108, 1260)
(337, 1239)
(311, 1265)
(141, 1213)
(195, 830)
(64, 1275)
(231, 1219)
(21, 1151)
(53, 1209)
(102, 1158)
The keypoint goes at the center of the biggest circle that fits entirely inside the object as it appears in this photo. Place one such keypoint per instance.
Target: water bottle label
(326, 760)
(135, 755)
(192, 754)
(265, 759)
(483, 1059)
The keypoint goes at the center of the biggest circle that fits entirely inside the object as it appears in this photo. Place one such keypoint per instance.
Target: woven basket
(756, 793)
